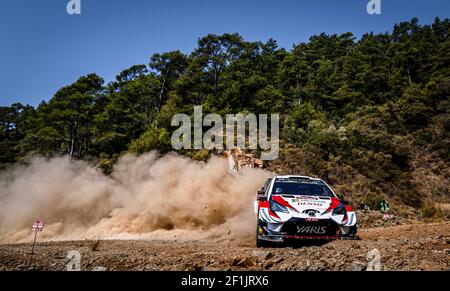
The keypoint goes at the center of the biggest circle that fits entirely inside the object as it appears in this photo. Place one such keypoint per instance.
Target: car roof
(297, 176)
(302, 177)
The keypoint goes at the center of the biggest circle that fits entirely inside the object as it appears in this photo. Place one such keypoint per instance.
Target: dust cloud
(146, 197)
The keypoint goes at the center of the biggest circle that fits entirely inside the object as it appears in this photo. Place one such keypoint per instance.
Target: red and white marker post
(38, 225)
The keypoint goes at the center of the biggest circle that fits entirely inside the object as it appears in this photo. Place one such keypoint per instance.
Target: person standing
(384, 207)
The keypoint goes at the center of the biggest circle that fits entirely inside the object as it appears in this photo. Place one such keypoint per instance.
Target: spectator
(384, 207)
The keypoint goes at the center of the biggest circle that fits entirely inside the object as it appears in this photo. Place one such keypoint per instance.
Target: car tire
(353, 231)
(259, 242)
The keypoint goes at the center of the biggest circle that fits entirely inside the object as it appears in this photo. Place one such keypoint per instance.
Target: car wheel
(353, 231)
(259, 242)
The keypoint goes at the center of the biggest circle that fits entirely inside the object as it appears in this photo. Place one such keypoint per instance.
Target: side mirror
(261, 196)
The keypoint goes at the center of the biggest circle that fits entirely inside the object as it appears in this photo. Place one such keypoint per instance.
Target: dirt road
(417, 246)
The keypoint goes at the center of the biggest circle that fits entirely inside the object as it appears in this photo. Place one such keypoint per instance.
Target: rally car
(301, 207)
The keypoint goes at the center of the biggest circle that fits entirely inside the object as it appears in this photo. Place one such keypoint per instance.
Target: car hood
(305, 204)
(309, 208)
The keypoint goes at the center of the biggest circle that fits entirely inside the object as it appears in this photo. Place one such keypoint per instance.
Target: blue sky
(42, 48)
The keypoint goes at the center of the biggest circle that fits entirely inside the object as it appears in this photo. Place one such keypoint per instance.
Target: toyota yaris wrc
(300, 207)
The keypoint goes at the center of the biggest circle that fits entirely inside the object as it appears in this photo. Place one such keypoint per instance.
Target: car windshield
(301, 187)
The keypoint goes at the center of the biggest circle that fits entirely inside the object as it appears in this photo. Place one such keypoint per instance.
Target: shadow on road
(301, 243)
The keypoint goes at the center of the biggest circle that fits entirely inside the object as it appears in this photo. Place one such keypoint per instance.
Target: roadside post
(38, 225)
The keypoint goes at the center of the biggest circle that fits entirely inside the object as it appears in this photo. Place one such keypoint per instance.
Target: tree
(14, 123)
(67, 118)
(169, 67)
(129, 108)
(215, 53)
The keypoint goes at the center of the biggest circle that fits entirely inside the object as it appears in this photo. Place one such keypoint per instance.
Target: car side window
(267, 186)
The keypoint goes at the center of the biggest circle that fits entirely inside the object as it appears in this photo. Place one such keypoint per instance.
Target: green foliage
(199, 155)
(152, 139)
(105, 164)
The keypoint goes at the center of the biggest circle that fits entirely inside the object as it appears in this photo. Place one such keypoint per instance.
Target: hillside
(371, 116)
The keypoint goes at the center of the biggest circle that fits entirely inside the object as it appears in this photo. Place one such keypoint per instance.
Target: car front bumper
(297, 228)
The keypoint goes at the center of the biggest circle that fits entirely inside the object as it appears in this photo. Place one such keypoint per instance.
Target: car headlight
(276, 207)
(339, 210)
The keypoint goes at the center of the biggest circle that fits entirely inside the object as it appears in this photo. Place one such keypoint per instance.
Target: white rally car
(301, 207)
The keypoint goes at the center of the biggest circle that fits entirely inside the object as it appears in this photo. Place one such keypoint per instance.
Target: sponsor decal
(312, 229)
(308, 198)
(311, 204)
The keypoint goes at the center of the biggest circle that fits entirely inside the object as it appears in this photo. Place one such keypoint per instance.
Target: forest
(370, 115)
